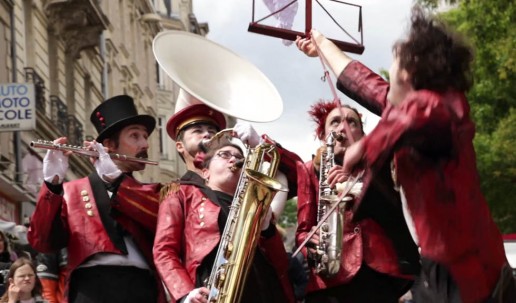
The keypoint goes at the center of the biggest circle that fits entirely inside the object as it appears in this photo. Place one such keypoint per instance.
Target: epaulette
(168, 189)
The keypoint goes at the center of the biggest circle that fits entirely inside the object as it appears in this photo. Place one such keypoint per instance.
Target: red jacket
(188, 231)
(431, 137)
(364, 241)
(65, 221)
(138, 201)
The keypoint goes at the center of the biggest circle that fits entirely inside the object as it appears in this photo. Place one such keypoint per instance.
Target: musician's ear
(180, 147)
(205, 174)
(404, 76)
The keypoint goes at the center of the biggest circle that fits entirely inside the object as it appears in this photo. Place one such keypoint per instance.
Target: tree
(289, 216)
(436, 3)
(491, 29)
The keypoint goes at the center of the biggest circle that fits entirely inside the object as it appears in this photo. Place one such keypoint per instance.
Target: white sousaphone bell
(216, 76)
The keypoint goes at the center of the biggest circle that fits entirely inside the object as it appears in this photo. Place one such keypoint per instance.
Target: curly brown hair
(436, 57)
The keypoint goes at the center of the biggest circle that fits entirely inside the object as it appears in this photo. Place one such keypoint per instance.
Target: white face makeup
(335, 122)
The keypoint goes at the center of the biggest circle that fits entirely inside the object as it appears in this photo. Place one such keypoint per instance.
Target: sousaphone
(217, 76)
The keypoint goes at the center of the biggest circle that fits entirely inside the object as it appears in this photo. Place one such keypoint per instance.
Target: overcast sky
(297, 77)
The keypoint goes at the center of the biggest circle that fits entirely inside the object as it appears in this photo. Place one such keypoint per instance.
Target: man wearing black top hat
(109, 252)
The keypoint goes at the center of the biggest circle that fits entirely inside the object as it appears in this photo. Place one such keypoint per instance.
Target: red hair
(321, 109)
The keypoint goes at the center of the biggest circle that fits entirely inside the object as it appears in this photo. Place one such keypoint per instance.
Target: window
(162, 131)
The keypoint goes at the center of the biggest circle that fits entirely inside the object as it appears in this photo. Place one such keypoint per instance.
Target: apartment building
(78, 53)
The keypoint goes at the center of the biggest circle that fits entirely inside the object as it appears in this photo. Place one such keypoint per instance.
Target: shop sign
(17, 107)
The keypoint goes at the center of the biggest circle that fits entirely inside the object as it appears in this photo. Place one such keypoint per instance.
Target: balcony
(67, 125)
(196, 27)
(31, 76)
(59, 115)
(75, 131)
(4, 163)
(78, 22)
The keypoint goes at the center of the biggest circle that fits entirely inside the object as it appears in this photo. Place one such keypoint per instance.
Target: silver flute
(82, 151)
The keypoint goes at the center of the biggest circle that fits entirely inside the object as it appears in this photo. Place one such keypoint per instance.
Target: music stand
(255, 26)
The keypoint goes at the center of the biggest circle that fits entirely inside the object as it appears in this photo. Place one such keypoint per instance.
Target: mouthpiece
(203, 145)
(238, 164)
(338, 136)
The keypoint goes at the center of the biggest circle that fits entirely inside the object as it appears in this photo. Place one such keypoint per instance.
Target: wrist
(270, 231)
(55, 188)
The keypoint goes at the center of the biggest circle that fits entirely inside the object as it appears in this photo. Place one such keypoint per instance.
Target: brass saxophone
(328, 252)
(249, 207)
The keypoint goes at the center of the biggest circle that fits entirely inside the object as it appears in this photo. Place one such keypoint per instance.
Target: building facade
(78, 53)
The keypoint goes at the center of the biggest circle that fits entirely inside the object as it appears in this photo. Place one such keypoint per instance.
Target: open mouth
(142, 155)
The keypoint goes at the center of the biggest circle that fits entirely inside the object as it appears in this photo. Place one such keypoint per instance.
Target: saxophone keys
(220, 277)
(228, 250)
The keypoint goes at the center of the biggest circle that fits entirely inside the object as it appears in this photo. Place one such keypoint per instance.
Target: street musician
(426, 131)
(107, 250)
(369, 266)
(190, 222)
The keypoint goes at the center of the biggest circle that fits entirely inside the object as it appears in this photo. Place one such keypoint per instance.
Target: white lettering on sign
(17, 107)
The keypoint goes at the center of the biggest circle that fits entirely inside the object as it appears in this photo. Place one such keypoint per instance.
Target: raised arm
(335, 58)
(48, 229)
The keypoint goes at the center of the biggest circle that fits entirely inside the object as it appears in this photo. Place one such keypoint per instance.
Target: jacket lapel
(193, 178)
(103, 204)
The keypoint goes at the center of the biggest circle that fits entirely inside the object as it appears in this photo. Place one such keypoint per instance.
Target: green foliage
(385, 74)
(497, 167)
(289, 216)
(435, 3)
(491, 29)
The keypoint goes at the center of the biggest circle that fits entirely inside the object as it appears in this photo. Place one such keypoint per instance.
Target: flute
(88, 153)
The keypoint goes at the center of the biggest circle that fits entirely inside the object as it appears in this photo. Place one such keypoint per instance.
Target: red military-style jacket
(72, 220)
(364, 241)
(431, 137)
(188, 231)
(139, 202)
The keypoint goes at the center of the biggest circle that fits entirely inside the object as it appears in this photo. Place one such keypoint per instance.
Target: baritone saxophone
(239, 239)
(328, 253)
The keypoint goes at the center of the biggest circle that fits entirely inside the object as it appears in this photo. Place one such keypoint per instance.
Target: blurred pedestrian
(52, 272)
(7, 257)
(24, 285)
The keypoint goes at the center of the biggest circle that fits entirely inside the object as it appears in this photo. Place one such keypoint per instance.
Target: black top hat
(116, 113)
